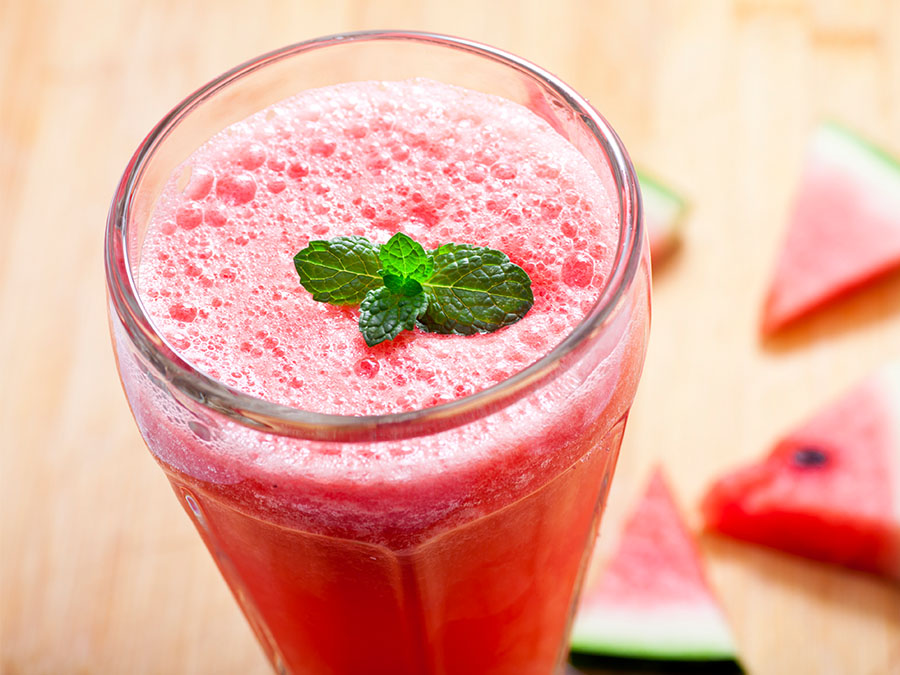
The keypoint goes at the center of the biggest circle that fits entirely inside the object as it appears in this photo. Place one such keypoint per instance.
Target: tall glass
(472, 566)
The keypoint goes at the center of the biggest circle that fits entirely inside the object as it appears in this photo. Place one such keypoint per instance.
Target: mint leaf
(402, 285)
(339, 271)
(383, 314)
(402, 256)
(474, 290)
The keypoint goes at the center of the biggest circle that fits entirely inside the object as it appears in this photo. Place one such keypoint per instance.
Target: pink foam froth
(439, 163)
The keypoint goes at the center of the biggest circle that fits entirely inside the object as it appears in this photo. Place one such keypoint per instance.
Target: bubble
(252, 156)
(201, 431)
(324, 147)
(276, 186)
(377, 161)
(546, 171)
(366, 368)
(182, 312)
(356, 131)
(214, 216)
(297, 170)
(503, 171)
(476, 174)
(200, 183)
(568, 229)
(550, 209)
(498, 204)
(236, 188)
(188, 216)
(180, 341)
(578, 270)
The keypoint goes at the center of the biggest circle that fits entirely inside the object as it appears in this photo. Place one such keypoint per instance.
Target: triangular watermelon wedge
(664, 212)
(845, 227)
(652, 600)
(830, 489)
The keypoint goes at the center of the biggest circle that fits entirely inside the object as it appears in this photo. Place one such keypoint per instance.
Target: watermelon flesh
(664, 212)
(845, 227)
(830, 489)
(652, 600)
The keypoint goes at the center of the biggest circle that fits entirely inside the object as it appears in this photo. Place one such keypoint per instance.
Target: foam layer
(439, 163)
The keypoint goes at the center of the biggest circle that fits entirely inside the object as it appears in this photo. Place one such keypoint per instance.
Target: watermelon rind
(858, 157)
(661, 199)
(677, 633)
(664, 212)
(851, 137)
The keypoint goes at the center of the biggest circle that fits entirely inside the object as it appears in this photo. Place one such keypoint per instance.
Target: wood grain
(102, 573)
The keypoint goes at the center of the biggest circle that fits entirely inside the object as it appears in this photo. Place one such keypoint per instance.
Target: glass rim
(276, 418)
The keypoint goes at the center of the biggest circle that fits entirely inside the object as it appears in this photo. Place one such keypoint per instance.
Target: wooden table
(102, 573)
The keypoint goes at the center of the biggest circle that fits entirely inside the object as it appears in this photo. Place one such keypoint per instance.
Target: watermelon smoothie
(388, 509)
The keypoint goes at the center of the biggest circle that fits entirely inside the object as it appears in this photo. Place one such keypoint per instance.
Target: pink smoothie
(431, 552)
(438, 163)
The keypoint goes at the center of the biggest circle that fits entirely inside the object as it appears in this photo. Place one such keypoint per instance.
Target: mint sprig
(457, 289)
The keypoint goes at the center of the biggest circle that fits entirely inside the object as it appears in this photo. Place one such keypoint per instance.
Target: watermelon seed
(810, 457)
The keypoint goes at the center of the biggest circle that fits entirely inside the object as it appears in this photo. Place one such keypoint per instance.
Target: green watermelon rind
(892, 163)
(659, 200)
(669, 633)
(861, 160)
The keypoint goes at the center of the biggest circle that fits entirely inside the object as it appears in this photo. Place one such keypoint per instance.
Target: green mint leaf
(383, 314)
(402, 285)
(474, 290)
(339, 271)
(404, 257)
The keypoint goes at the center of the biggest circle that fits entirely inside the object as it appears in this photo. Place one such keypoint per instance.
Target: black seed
(810, 457)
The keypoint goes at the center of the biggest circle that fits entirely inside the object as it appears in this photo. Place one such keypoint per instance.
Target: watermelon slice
(845, 228)
(830, 489)
(652, 600)
(663, 214)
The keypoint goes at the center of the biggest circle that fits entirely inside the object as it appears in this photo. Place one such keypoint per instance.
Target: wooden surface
(101, 571)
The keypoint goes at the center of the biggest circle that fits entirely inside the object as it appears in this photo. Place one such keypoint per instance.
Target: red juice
(457, 549)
